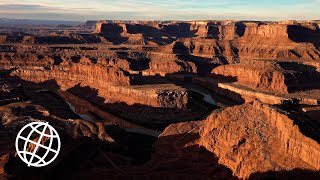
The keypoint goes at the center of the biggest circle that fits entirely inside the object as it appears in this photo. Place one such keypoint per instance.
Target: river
(82, 108)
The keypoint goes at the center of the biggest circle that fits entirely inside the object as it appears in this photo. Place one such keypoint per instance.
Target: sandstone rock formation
(236, 40)
(252, 138)
(279, 77)
(245, 95)
(257, 138)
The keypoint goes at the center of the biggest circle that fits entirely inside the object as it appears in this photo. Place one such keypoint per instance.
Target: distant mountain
(31, 22)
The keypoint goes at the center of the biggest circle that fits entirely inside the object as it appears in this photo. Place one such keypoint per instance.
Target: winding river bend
(85, 109)
(206, 97)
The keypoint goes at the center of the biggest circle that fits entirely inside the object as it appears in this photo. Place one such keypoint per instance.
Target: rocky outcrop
(234, 40)
(274, 32)
(69, 76)
(258, 138)
(274, 41)
(257, 75)
(277, 77)
(107, 81)
(163, 67)
(252, 138)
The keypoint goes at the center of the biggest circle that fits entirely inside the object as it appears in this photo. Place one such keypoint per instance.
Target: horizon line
(155, 20)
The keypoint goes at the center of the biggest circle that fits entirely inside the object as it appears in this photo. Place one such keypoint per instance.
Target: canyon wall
(106, 81)
(256, 137)
(114, 73)
(251, 138)
(222, 41)
(236, 40)
(267, 76)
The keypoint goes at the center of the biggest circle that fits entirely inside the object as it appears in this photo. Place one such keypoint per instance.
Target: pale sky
(82, 10)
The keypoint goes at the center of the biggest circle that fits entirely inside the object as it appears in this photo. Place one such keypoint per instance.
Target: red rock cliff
(258, 138)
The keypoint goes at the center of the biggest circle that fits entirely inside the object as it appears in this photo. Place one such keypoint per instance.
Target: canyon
(165, 99)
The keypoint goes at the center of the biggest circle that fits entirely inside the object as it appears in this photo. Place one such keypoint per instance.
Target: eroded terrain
(166, 100)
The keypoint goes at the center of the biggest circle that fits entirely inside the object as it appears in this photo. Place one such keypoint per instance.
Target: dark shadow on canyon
(150, 33)
(67, 39)
(113, 33)
(214, 31)
(307, 126)
(138, 79)
(164, 34)
(151, 117)
(86, 154)
(35, 92)
(204, 65)
(302, 34)
(182, 30)
(56, 40)
(240, 29)
(300, 77)
(88, 158)
(185, 79)
(166, 116)
(293, 174)
(138, 63)
(85, 158)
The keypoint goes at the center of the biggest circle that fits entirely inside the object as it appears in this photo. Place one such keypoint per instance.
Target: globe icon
(38, 144)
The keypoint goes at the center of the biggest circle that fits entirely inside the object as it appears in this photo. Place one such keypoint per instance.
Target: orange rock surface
(258, 138)
(252, 138)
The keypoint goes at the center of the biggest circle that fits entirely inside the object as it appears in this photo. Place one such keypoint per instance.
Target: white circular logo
(32, 146)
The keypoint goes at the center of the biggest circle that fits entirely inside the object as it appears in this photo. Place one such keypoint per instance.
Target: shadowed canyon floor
(165, 100)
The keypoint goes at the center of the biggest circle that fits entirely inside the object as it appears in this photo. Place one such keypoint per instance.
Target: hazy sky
(81, 10)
